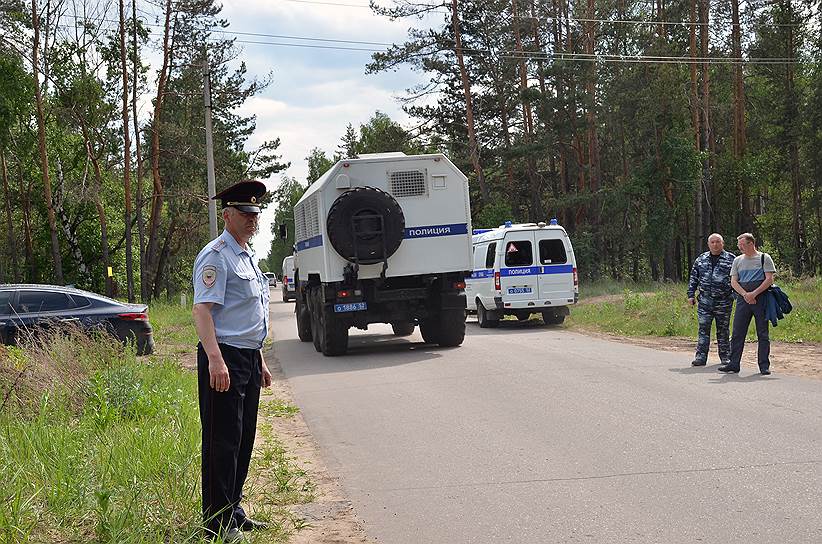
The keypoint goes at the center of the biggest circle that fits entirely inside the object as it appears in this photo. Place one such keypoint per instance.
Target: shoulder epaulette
(218, 245)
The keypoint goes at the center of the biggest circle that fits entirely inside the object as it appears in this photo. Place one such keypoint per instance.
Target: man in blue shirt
(231, 317)
(751, 275)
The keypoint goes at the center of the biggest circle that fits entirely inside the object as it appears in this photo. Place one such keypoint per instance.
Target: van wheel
(303, 321)
(522, 316)
(552, 318)
(334, 339)
(403, 328)
(483, 319)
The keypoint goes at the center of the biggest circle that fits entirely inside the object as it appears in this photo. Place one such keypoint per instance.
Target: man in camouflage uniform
(711, 275)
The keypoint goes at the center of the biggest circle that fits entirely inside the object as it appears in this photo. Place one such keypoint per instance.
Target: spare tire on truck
(355, 221)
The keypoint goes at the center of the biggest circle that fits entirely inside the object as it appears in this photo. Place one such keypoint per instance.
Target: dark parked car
(29, 307)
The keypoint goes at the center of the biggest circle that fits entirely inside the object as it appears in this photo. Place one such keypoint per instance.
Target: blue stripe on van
(537, 270)
(524, 271)
(430, 231)
(316, 241)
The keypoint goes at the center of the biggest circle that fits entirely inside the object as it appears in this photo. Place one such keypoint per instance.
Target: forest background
(643, 127)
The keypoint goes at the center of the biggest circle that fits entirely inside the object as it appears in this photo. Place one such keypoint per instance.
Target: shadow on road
(365, 351)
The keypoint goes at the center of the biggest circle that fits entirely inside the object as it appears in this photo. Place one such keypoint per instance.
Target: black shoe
(249, 524)
(697, 362)
(728, 368)
(765, 372)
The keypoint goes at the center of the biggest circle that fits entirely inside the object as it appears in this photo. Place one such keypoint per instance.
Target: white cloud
(315, 92)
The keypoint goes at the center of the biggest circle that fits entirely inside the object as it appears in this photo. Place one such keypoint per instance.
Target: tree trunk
(745, 222)
(792, 119)
(163, 258)
(126, 157)
(534, 189)
(66, 226)
(138, 158)
(473, 145)
(704, 127)
(101, 211)
(25, 192)
(152, 257)
(15, 271)
(41, 144)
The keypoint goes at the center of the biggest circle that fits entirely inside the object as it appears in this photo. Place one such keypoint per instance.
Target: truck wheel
(403, 328)
(552, 318)
(452, 327)
(429, 328)
(523, 316)
(360, 202)
(334, 339)
(314, 309)
(483, 319)
(303, 321)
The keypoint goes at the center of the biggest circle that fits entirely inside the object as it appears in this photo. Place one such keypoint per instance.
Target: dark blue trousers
(742, 320)
(229, 424)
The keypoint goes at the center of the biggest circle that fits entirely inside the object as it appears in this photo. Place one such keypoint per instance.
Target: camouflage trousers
(707, 311)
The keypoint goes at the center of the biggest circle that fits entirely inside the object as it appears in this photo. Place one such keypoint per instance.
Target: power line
(587, 57)
(581, 19)
(535, 55)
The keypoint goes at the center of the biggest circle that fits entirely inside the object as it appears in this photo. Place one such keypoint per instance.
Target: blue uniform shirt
(225, 274)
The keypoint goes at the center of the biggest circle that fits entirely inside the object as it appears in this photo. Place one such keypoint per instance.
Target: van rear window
(552, 252)
(518, 253)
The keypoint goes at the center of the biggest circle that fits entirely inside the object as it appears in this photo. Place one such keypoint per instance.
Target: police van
(289, 286)
(383, 238)
(521, 269)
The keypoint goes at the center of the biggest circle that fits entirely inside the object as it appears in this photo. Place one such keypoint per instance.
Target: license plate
(351, 307)
(519, 290)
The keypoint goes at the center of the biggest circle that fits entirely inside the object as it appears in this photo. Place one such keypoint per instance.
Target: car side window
(489, 257)
(552, 252)
(519, 253)
(5, 302)
(80, 301)
(42, 301)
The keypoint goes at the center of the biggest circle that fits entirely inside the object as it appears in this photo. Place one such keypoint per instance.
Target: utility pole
(212, 190)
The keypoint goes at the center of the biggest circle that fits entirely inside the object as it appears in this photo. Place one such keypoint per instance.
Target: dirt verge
(791, 359)
(330, 518)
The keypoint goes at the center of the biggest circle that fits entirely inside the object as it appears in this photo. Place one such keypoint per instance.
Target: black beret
(245, 196)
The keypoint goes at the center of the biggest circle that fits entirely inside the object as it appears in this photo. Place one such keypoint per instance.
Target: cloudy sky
(315, 92)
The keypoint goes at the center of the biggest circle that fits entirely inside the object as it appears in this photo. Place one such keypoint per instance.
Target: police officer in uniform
(711, 274)
(231, 317)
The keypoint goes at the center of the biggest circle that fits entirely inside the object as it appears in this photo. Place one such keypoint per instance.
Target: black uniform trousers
(229, 425)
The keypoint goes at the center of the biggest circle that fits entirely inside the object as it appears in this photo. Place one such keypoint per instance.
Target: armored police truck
(383, 238)
(520, 269)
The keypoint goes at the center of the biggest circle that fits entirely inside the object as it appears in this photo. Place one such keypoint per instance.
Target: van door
(518, 273)
(556, 278)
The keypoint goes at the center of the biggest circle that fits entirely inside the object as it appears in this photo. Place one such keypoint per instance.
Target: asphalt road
(530, 434)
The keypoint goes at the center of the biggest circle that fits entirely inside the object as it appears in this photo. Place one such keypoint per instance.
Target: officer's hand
(266, 377)
(218, 375)
(691, 301)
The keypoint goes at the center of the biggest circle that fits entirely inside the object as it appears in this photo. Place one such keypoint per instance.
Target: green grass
(173, 326)
(662, 309)
(97, 445)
